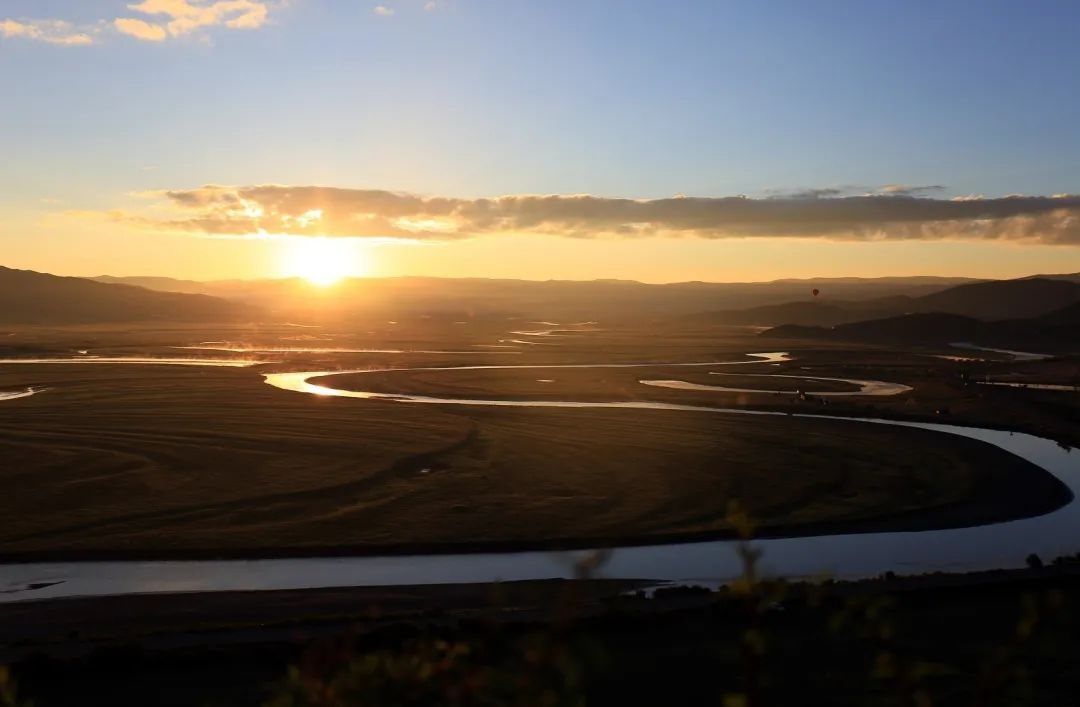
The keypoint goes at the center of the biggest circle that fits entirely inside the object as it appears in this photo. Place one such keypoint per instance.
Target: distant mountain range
(28, 297)
(161, 284)
(470, 297)
(1039, 313)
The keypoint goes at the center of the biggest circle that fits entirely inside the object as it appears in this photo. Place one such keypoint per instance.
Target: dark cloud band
(892, 212)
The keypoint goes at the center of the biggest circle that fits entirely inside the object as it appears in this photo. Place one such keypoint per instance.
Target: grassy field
(581, 384)
(134, 461)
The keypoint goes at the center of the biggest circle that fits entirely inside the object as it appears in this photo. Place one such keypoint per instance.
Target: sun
(322, 261)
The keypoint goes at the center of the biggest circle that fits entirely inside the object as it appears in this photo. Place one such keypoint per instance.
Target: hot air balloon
(816, 291)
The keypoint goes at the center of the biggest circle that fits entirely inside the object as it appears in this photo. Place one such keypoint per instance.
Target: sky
(657, 141)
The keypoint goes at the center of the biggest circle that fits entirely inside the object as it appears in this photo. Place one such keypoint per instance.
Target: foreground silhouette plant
(878, 659)
(747, 586)
(537, 669)
(1005, 678)
(532, 671)
(8, 690)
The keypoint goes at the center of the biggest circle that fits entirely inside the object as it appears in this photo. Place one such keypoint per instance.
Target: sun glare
(323, 261)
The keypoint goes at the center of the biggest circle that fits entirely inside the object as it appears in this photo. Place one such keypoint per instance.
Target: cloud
(371, 213)
(176, 18)
(161, 20)
(852, 190)
(814, 193)
(387, 10)
(51, 31)
(909, 190)
(140, 30)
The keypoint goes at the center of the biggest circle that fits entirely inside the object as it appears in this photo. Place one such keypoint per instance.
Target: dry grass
(158, 460)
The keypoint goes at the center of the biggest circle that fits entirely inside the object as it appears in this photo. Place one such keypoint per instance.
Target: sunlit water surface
(869, 388)
(1034, 386)
(141, 360)
(16, 394)
(329, 350)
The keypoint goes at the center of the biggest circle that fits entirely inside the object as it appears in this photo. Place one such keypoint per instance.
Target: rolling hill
(161, 284)
(1002, 299)
(994, 300)
(921, 328)
(816, 312)
(1056, 332)
(28, 297)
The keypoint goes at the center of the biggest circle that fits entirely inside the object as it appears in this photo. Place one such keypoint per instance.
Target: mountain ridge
(993, 300)
(30, 297)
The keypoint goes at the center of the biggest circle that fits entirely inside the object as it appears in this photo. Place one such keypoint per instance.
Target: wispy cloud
(176, 18)
(910, 190)
(51, 31)
(853, 190)
(388, 10)
(155, 21)
(140, 29)
(371, 213)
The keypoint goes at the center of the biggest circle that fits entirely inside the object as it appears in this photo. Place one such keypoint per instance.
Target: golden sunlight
(323, 261)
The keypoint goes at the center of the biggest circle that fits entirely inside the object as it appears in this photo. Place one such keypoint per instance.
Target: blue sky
(471, 98)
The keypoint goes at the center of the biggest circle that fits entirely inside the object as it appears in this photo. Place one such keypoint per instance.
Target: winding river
(1004, 544)
(16, 394)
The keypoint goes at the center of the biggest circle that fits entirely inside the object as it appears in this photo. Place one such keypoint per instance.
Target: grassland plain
(159, 461)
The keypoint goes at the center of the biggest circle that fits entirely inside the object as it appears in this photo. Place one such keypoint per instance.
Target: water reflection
(866, 387)
(15, 394)
(1034, 386)
(147, 360)
(324, 350)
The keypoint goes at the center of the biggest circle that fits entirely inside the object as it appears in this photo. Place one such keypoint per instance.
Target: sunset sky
(657, 141)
